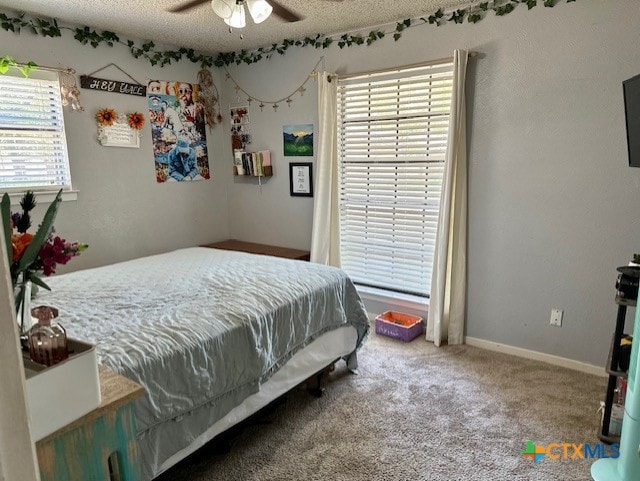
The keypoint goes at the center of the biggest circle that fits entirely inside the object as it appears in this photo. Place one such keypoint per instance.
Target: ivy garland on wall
(7, 62)
(85, 35)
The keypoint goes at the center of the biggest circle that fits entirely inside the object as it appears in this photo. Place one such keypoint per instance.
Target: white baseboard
(537, 356)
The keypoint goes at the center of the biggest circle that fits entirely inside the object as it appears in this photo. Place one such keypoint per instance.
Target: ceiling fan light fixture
(223, 8)
(259, 10)
(237, 18)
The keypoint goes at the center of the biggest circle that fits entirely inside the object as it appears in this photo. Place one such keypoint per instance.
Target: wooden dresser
(267, 250)
(101, 445)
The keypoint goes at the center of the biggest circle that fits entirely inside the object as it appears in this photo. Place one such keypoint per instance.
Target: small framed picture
(301, 179)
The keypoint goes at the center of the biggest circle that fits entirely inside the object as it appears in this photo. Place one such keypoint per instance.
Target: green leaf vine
(148, 51)
(6, 62)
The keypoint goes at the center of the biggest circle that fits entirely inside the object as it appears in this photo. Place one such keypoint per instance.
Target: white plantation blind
(392, 141)
(33, 148)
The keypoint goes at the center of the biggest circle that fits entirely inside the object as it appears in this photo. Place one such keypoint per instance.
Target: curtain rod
(413, 65)
(44, 67)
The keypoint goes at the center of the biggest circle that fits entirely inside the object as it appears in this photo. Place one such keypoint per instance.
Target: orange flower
(106, 116)
(19, 242)
(136, 120)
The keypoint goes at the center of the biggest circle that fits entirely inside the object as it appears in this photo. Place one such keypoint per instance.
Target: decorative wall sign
(178, 130)
(115, 86)
(298, 140)
(119, 130)
(300, 179)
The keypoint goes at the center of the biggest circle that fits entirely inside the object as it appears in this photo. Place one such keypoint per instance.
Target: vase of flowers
(22, 293)
(32, 256)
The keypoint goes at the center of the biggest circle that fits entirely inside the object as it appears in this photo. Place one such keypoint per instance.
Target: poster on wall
(178, 131)
(298, 140)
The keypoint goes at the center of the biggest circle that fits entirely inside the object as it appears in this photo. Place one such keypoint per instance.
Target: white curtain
(445, 321)
(325, 235)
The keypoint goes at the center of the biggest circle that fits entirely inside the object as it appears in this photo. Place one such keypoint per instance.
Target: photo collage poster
(178, 131)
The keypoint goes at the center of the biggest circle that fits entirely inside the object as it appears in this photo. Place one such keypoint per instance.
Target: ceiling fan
(232, 11)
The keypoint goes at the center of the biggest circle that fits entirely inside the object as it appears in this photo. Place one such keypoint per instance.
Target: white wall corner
(17, 450)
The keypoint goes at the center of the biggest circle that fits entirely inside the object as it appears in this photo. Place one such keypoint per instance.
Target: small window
(33, 147)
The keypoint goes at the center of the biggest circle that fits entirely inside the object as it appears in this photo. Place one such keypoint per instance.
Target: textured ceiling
(201, 29)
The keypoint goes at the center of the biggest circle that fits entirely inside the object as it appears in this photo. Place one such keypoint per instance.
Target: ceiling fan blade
(187, 6)
(284, 13)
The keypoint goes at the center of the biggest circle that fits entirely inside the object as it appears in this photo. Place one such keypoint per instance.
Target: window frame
(373, 148)
(45, 192)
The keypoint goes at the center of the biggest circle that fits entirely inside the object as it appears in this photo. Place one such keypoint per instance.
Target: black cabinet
(626, 296)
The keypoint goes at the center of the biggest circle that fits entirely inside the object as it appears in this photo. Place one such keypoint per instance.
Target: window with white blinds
(33, 147)
(392, 140)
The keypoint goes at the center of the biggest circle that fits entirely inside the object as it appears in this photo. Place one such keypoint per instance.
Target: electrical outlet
(556, 317)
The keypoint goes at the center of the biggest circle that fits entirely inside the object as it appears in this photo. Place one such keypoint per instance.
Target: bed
(211, 335)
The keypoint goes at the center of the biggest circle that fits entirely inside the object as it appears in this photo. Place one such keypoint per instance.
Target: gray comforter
(202, 327)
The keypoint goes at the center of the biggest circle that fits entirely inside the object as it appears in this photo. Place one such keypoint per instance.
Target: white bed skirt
(305, 363)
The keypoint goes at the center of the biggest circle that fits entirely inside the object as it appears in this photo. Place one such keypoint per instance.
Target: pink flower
(54, 252)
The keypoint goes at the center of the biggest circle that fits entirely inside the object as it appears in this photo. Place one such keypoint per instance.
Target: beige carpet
(414, 412)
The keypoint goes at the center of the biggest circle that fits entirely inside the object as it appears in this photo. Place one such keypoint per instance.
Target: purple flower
(15, 218)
